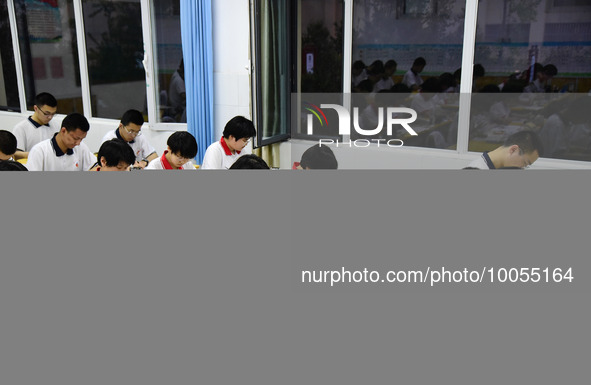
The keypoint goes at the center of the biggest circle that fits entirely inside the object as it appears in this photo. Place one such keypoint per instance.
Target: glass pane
(114, 45)
(8, 87)
(274, 72)
(321, 43)
(536, 54)
(169, 61)
(406, 46)
(320, 61)
(47, 40)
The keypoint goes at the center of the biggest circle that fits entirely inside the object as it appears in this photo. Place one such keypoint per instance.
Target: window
(406, 46)
(298, 47)
(168, 62)
(114, 49)
(9, 100)
(537, 72)
(49, 55)
(272, 70)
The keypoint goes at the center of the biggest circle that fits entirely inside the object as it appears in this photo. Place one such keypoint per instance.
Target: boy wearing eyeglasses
(65, 150)
(38, 127)
(223, 153)
(182, 147)
(130, 130)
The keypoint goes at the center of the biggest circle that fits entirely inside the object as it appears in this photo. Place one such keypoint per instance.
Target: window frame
(256, 72)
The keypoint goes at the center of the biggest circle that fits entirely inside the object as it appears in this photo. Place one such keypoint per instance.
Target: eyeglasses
(132, 132)
(182, 158)
(245, 141)
(526, 162)
(48, 114)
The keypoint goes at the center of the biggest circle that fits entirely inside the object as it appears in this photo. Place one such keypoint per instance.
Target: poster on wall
(44, 22)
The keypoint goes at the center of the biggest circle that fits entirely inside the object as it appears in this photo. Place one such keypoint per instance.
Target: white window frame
(148, 33)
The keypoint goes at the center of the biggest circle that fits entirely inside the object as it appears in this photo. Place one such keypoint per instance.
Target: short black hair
(528, 142)
(7, 142)
(11, 165)
(390, 64)
(359, 64)
(431, 85)
(182, 143)
(45, 99)
(116, 151)
(550, 70)
(239, 127)
(249, 161)
(319, 158)
(478, 71)
(132, 116)
(420, 61)
(75, 121)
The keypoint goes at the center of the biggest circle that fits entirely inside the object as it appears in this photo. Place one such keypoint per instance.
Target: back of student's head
(528, 142)
(239, 127)
(75, 121)
(182, 143)
(249, 161)
(420, 61)
(116, 151)
(132, 116)
(7, 142)
(446, 80)
(45, 99)
(478, 71)
(11, 165)
(431, 85)
(365, 86)
(550, 70)
(390, 64)
(400, 88)
(319, 158)
(359, 65)
(513, 86)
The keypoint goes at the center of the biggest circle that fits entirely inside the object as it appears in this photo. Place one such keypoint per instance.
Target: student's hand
(141, 164)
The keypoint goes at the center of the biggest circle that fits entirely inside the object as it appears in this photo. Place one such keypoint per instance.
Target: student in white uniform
(520, 150)
(232, 145)
(412, 78)
(38, 126)
(130, 130)
(181, 148)
(65, 150)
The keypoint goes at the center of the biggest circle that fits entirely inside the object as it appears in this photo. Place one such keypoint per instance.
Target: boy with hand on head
(181, 148)
(37, 127)
(114, 155)
(130, 130)
(65, 150)
(7, 145)
(222, 154)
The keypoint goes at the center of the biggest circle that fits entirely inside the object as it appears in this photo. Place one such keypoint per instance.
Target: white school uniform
(140, 145)
(219, 156)
(47, 156)
(28, 133)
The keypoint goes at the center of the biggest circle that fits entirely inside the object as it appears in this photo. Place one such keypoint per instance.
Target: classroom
(193, 66)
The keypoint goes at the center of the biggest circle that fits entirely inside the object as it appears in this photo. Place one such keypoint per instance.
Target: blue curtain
(196, 35)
